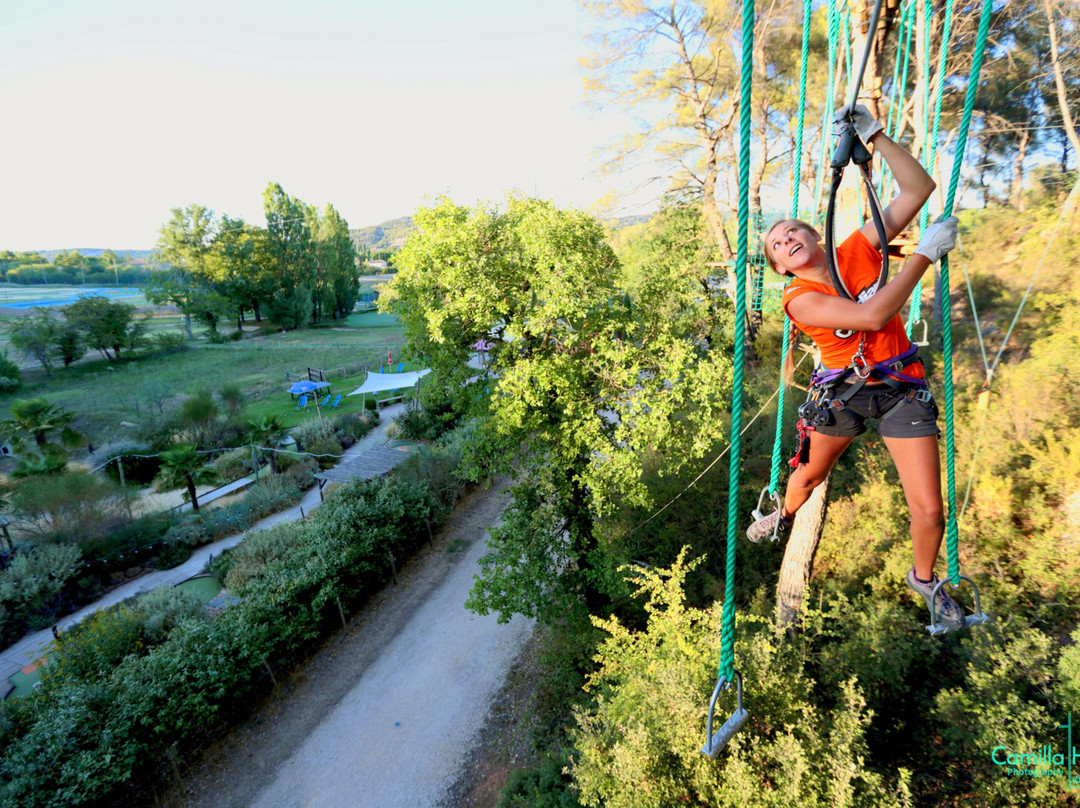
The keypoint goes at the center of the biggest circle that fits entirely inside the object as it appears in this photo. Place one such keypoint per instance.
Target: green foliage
(10, 375)
(583, 384)
(106, 324)
(74, 506)
(183, 466)
(31, 584)
(641, 744)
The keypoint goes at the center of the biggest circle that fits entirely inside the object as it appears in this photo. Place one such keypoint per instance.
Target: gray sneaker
(764, 527)
(949, 614)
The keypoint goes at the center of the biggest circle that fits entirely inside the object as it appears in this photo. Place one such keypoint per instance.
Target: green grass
(373, 319)
(104, 394)
(24, 683)
(206, 587)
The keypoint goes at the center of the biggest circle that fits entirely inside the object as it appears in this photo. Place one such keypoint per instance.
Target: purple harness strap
(826, 377)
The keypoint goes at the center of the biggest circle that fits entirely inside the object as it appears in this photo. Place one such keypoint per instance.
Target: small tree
(37, 417)
(106, 324)
(35, 336)
(266, 431)
(182, 466)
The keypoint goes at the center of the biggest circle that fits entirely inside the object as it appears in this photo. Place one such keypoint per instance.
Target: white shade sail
(376, 382)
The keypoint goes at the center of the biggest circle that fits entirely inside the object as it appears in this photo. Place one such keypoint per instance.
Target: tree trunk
(798, 563)
(1016, 187)
(187, 325)
(191, 493)
(1059, 81)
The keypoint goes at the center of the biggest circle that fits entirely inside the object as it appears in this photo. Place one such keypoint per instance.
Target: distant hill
(96, 252)
(389, 235)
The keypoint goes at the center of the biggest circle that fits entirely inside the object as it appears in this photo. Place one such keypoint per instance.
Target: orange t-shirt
(860, 265)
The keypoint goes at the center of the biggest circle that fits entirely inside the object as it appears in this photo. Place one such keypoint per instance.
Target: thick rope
(951, 530)
(830, 102)
(727, 625)
(933, 124)
(785, 349)
(899, 90)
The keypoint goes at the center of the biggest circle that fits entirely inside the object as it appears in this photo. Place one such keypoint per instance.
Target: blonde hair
(765, 238)
(788, 370)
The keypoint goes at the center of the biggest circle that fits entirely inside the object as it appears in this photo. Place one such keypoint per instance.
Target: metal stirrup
(758, 513)
(715, 742)
(935, 628)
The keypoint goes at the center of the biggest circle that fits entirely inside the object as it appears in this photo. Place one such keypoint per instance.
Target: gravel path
(387, 714)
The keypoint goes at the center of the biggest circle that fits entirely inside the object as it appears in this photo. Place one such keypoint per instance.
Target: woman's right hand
(938, 239)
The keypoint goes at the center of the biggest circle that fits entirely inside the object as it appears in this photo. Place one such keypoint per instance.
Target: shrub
(300, 471)
(164, 608)
(247, 559)
(93, 646)
(233, 464)
(32, 583)
(314, 431)
(74, 506)
(169, 341)
(327, 451)
(10, 378)
(355, 424)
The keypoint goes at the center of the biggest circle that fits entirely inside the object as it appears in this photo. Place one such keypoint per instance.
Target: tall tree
(580, 390)
(289, 248)
(185, 243)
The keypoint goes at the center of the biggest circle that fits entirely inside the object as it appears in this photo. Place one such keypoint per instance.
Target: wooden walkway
(371, 464)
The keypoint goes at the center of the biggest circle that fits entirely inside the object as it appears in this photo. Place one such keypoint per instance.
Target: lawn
(107, 394)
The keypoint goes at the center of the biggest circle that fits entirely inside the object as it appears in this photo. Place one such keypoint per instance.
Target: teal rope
(952, 531)
(830, 102)
(915, 312)
(907, 26)
(727, 630)
(778, 437)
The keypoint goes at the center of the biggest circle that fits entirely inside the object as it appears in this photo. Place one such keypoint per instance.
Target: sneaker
(949, 614)
(764, 527)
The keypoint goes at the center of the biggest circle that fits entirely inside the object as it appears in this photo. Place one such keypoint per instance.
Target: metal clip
(715, 742)
(925, 332)
(924, 396)
(860, 366)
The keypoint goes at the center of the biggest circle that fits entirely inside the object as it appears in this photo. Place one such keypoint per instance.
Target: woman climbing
(869, 368)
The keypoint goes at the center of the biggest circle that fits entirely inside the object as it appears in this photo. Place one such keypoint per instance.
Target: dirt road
(388, 714)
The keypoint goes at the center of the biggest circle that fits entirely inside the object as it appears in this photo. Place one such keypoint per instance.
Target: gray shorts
(898, 413)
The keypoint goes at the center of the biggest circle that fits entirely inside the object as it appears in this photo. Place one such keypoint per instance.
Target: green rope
(785, 349)
(952, 532)
(915, 312)
(907, 26)
(727, 630)
(830, 101)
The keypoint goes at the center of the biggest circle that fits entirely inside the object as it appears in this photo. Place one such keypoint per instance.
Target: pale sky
(117, 111)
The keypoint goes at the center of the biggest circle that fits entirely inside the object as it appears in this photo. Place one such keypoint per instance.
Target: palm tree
(182, 466)
(266, 431)
(38, 417)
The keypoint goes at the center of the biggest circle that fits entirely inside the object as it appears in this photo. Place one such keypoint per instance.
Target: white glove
(938, 239)
(865, 124)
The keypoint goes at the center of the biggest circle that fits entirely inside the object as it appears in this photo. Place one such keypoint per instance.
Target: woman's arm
(914, 183)
(826, 311)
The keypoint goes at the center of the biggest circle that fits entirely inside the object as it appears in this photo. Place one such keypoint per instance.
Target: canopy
(306, 387)
(377, 382)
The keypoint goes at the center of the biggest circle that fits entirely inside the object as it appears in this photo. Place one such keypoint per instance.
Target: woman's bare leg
(919, 466)
(825, 450)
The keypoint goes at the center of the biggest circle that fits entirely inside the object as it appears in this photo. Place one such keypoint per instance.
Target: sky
(118, 111)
